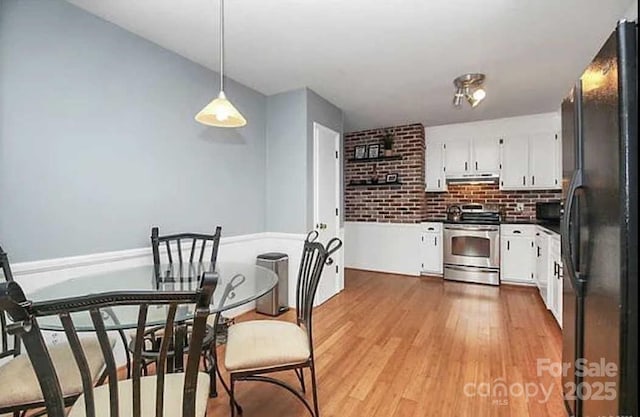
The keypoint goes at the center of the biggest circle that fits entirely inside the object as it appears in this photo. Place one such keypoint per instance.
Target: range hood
(474, 179)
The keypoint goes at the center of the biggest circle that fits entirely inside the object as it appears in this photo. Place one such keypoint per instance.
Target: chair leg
(232, 397)
(300, 375)
(314, 390)
(211, 369)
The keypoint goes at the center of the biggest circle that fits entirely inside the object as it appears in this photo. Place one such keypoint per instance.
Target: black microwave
(549, 211)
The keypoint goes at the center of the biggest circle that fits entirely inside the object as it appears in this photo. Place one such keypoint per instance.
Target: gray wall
(98, 141)
(323, 112)
(290, 119)
(286, 174)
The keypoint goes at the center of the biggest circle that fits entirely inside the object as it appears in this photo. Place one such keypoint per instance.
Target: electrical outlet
(520, 207)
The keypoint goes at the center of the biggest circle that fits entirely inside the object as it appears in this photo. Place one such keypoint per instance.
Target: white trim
(287, 236)
(57, 264)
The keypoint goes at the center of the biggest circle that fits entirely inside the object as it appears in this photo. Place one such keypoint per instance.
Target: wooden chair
(19, 390)
(198, 245)
(169, 395)
(258, 347)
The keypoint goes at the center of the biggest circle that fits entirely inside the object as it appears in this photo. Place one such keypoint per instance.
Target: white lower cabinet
(549, 271)
(543, 269)
(555, 280)
(517, 253)
(431, 248)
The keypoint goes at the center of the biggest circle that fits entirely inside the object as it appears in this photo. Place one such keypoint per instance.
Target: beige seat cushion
(173, 392)
(20, 384)
(259, 344)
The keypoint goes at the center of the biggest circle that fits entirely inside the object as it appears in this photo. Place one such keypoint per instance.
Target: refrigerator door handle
(576, 276)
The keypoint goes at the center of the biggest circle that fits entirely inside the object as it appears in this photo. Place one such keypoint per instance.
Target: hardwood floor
(392, 345)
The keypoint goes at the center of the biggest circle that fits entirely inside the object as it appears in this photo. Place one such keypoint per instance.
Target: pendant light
(220, 112)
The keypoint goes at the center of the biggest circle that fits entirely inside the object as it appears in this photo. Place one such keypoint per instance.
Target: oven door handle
(473, 229)
(471, 268)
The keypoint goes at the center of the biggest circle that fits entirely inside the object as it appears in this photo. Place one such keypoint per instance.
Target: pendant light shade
(220, 112)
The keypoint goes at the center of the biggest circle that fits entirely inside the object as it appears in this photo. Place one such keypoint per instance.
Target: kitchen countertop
(554, 227)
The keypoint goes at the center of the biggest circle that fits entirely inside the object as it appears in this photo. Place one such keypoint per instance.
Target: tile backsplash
(437, 203)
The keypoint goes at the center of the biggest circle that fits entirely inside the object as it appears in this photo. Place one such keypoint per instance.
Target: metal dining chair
(167, 395)
(19, 388)
(169, 253)
(259, 347)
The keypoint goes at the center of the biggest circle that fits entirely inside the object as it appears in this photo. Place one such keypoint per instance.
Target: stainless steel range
(472, 244)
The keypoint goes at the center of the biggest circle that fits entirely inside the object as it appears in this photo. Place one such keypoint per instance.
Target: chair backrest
(24, 314)
(315, 256)
(5, 268)
(6, 348)
(196, 242)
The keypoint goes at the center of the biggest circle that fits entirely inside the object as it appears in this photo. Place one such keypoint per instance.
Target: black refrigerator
(600, 232)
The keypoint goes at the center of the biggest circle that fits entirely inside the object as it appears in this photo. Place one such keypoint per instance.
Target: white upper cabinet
(486, 155)
(472, 156)
(457, 157)
(434, 167)
(524, 151)
(530, 162)
(515, 166)
(544, 160)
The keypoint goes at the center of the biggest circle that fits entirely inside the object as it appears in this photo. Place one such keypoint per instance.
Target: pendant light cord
(222, 45)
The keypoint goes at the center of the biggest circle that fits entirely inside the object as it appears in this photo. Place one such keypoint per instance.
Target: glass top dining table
(238, 284)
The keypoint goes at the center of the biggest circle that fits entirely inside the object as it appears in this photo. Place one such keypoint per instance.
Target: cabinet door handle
(438, 183)
(524, 180)
(533, 180)
(435, 241)
(466, 166)
(508, 245)
(517, 232)
(538, 251)
(476, 165)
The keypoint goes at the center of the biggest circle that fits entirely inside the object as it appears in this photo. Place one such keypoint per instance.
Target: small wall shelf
(378, 159)
(379, 184)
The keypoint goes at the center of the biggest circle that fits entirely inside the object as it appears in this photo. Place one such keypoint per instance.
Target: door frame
(339, 277)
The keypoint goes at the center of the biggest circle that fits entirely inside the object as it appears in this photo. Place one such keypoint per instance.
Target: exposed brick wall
(436, 205)
(387, 204)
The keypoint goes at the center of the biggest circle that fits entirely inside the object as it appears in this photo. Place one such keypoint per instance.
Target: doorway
(326, 203)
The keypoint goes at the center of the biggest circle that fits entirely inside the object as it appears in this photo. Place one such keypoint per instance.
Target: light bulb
(479, 94)
(221, 114)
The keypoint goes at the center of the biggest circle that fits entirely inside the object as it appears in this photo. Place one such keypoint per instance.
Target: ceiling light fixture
(220, 112)
(469, 86)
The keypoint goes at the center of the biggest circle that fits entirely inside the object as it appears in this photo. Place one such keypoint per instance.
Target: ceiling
(386, 62)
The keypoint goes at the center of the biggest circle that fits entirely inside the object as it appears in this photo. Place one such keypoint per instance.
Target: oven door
(468, 245)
